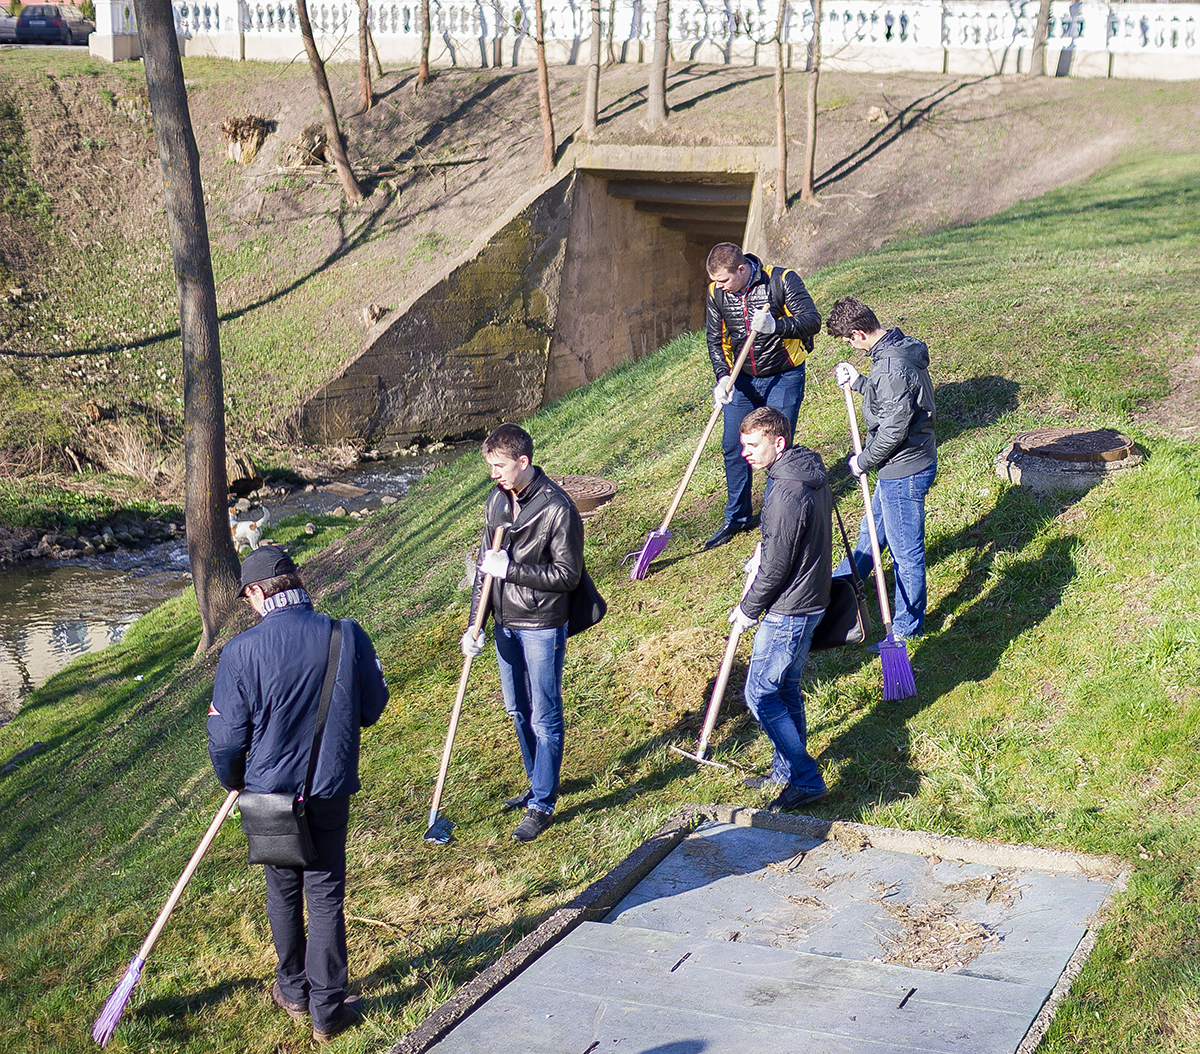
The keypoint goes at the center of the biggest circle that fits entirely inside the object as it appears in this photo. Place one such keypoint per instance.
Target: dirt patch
(929, 937)
(679, 667)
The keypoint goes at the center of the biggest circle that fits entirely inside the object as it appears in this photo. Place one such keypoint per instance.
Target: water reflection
(51, 614)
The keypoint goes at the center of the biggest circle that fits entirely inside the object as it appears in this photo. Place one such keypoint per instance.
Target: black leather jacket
(728, 315)
(545, 552)
(797, 538)
(897, 404)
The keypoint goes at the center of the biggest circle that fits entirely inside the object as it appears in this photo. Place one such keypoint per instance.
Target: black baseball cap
(265, 562)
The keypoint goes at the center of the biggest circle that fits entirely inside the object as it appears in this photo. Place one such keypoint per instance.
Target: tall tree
(780, 118)
(365, 96)
(543, 74)
(334, 134)
(210, 547)
(1037, 60)
(807, 193)
(657, 99)
(426, 37)
(591, 94)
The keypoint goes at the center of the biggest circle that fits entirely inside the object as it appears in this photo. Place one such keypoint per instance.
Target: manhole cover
(588, 492)
(1075, 444)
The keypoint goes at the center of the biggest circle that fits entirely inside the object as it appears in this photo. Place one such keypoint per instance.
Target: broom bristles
(898, 679)
(106, 1023)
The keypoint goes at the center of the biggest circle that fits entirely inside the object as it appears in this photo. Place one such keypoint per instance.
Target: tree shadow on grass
(1001, 594)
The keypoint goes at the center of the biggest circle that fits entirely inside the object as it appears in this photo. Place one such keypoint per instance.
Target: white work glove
(856, 469)
(722, 393)
(845, 374)
(471, 644)
(763, 321)
(752, 565)
(740, 619)
(495, 563)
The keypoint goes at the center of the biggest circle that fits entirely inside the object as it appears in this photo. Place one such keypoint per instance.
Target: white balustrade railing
(732, 27)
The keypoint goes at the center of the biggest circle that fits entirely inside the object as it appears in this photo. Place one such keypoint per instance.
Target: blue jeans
(898, 506)
(774, 697)
(531, 666)
(783, 391)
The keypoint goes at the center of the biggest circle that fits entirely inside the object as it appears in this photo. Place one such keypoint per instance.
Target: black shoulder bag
(276, 825)
(587, 605)
(847, 620)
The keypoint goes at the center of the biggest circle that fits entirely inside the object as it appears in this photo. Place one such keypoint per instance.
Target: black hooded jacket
(897, 405)
(797, 538)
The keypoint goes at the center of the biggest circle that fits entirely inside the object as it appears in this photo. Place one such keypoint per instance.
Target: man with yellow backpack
(746, 296)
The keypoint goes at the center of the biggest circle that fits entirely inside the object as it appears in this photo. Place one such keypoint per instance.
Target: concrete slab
(734, 930)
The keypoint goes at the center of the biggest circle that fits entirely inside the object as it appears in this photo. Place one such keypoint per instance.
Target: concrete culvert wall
(598, 268)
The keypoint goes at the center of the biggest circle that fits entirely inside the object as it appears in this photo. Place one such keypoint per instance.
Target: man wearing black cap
(260, 732)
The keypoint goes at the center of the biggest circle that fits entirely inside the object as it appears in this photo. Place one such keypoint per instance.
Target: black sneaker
(296, 1011)
(757, 783)
(725, 534)
(792, 798)
(534, 823)
(349, 1014)
(520, 801)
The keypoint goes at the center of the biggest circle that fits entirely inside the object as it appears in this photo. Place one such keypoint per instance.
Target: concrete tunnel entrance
(598, 268)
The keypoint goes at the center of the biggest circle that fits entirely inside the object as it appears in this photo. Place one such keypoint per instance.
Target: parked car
(8, 27)
(53, 24)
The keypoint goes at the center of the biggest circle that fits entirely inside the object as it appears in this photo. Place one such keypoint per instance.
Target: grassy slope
(1058, 681)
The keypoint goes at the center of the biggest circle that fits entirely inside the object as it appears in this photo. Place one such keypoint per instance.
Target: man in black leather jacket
(745, 296)
(537, 565)
(897, 405)
(790, 589)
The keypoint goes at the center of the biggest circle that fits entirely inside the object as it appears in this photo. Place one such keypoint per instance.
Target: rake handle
(708, 431)
(480, 616)
(718, 694)
(880, 580)
(186, 877)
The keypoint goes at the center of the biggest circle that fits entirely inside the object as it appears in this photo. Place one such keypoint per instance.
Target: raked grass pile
(1058, 683)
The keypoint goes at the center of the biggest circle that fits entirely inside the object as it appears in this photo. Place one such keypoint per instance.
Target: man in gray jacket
(791, 586)
(897, 406)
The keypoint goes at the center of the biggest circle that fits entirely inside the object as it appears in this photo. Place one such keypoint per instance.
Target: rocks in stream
(125, 531)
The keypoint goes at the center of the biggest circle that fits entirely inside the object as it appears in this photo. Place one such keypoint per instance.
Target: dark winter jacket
(797, 538)
(728, 318)
(897, 405)
(265, 698)
(545, 553)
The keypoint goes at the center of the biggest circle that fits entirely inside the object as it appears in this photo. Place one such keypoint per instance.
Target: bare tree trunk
(548, 148)
(365, 96)
(591, 95)
(612, 21)
(807, 193)
(375, 55)
(333, 132)
(1037, 60)
(210, 547)
(780, 119)
(657, 98)
(426, 36)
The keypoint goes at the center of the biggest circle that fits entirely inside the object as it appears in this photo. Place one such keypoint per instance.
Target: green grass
(1059, 681)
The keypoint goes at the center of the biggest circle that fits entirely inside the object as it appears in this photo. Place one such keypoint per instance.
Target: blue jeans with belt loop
(898, 506)
(783, 391)
(781, 645)
(531, 666)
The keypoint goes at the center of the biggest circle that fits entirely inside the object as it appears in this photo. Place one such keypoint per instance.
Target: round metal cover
(587, 492)
(1075, 444)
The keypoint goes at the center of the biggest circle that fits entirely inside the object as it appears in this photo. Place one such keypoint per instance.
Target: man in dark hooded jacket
(791, 586)
(897, 406)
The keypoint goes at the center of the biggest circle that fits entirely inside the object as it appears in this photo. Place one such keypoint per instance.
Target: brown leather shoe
(349, 1014)
(296, 1011)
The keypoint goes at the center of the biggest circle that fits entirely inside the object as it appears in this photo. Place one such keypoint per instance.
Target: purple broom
(898, 680)
(106, 1023)
(657, 540)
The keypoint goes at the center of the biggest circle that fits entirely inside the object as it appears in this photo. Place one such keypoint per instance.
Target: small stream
(53, 612)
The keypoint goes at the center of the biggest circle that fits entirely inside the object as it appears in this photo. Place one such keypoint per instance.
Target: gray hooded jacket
(897, 405)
